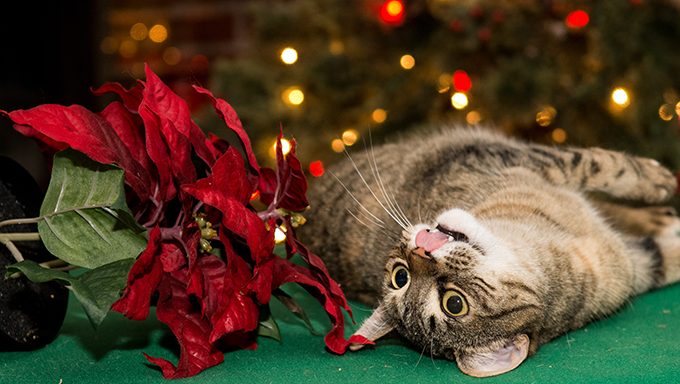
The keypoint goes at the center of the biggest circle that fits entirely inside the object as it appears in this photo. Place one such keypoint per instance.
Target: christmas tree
(598, 73)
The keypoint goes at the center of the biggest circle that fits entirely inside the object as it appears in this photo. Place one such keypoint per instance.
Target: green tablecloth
(641, 344)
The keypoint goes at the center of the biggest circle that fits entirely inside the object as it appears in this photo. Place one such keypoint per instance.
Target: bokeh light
(289, 55)
(349, 137)
(459, 100)
(337, 145)
(139, 31)
(379, 115)
(158, 33)
(620, 96)
(407, 62)
(293, 96)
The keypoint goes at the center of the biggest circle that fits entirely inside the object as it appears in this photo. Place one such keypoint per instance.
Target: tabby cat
(513, 246)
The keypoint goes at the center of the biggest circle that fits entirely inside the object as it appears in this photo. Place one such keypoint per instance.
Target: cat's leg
(597, 170)
(653, 238)
(641, 222)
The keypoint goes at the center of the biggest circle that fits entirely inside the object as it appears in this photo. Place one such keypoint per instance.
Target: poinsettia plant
(154, 212)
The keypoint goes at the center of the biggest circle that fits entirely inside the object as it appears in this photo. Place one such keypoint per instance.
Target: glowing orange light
(316, 168)
(461, 81)
(577, 19)
(255, 195)
(392, 12)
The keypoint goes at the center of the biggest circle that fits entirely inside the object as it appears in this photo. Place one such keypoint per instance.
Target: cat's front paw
(658, 183)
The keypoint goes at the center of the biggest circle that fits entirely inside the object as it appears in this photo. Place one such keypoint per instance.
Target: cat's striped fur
(533, 253)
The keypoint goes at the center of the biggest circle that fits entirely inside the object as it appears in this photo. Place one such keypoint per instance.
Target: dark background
(47, 57)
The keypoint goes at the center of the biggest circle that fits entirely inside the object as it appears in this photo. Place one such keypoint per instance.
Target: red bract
(193, 193)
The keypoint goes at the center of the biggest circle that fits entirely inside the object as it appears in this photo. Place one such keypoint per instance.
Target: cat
(515, 243)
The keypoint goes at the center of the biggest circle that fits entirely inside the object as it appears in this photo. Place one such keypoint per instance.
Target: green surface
(641, 344)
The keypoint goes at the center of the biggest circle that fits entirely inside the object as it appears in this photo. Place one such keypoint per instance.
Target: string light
(461, 81)
(577, 19)
(473, 117)
(620, 97)
(677, 108)
(392, 12)
(407, 62)
(336, 47)
(293, 96)
(289, 55)
(545, 116)
(139, 31)
(559, 135)
(666, 112)
(337, 145)
(316, 168)
(379, 115)
(444, 83)
(279, 235)
(158, 33)
(285, 147)
(349, 137)
(459, 100)
(172, 55)
(128, 48)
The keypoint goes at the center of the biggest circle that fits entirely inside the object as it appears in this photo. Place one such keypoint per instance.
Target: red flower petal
(131, 97)
(287, 187)
(83, 131)
(227, 190)
(286, 272)
(167, 147)
(236, 313)
(175, 118)
(143, 280)
(321, 273)
(191, 329)
(232, 121)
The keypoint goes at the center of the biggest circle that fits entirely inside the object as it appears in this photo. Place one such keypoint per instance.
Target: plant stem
(29, 220)
(19, 236)
(12, 249)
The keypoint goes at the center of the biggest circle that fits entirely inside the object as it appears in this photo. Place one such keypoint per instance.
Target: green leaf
(269, 328)
(85, 220)
(96, 289)
(294, 308)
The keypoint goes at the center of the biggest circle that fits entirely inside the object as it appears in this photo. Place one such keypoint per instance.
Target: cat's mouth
(429, 240)
(453, 235)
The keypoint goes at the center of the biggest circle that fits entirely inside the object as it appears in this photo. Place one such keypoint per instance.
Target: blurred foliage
(520, 55)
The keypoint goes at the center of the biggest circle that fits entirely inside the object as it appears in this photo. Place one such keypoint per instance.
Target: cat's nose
(430, 240)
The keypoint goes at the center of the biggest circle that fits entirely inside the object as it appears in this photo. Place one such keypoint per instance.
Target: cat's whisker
(432, 353)
(383, 230)
(391, 201)
(374, 217)
(361, 176)
(421, 356)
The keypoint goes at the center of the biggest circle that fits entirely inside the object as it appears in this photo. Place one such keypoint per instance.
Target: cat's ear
(493, 363)
(373, 328)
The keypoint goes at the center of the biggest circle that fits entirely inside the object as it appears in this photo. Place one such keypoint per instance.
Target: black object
(31, 314)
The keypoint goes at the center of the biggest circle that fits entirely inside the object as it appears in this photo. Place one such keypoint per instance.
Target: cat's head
(456, 289)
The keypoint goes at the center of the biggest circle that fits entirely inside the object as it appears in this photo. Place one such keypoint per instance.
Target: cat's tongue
(430, 240)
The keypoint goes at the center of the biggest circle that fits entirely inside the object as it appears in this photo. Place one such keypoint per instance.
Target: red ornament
(484, 34)
(456, 25)
(577, 19)
(392, 12)
(316, 168)
(461, 81)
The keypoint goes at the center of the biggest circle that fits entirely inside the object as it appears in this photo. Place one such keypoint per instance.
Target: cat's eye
(454, 304)
(400, 277)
